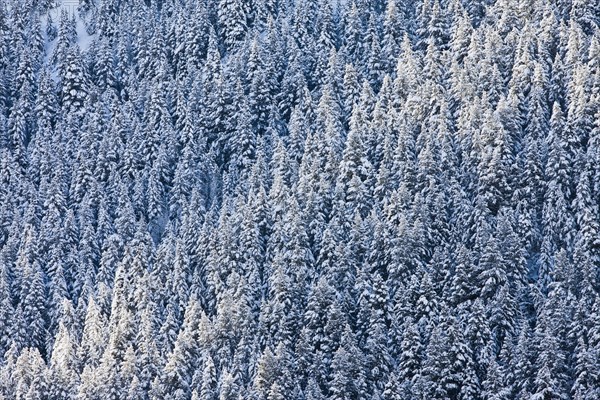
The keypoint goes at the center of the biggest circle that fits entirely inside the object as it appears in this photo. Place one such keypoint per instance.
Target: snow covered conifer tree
(312, 199)
(233, 22)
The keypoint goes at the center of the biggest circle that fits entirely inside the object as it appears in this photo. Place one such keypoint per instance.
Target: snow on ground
(84, 40)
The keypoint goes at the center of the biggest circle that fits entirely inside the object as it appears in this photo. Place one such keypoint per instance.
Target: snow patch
(84, 39)
(70, 6)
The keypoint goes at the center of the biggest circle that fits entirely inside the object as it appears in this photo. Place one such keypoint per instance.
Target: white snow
(84, 40)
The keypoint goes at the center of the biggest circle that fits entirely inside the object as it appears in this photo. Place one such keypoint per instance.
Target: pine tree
(74, 83)
(63, 378)
(93, 337)
(232, 21)
(347, 380)
(306, 199)
(33, 303)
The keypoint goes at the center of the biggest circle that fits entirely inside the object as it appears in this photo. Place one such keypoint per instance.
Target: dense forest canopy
(300, 199)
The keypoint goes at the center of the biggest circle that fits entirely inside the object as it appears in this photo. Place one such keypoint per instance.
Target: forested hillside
(300, 200)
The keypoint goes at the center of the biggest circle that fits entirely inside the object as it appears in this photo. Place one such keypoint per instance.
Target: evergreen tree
(312, 199)
(232, 21)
